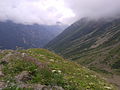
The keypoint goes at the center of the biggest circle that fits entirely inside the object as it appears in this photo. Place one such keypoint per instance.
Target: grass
(57, 72)
(100, 70)
(116, 65)
(16, 88)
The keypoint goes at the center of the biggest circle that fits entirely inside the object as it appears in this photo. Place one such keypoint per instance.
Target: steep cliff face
(26, 36)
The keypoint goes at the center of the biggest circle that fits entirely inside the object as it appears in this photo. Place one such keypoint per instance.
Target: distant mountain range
(27, 36)
(92, 43)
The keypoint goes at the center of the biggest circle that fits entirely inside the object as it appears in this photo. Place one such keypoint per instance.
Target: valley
(93, 44)
(13, 35)
(60, 45)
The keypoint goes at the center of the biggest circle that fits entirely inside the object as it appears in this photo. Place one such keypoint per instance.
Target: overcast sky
(51, 11)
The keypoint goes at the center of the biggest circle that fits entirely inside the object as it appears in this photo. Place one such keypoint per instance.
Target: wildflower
(29, 51)
(8, 81)
(35, 69)
(93, 76)
(107, 87)
(52, 60)
(23, 54)
(87, 76)
(59, 71)
(53, 71)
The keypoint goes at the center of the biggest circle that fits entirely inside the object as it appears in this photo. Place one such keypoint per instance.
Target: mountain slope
(26, 36)
(92, 43)
(84, 32)
(38, 69)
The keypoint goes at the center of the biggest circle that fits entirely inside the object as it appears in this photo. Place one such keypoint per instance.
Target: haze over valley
(60, 45)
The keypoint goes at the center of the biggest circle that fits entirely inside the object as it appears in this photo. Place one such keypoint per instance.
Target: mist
(95, 8)
(49, 12)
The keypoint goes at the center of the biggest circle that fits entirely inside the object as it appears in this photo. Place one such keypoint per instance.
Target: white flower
(87, 76)
(93, 76)
(59, 71)
(53, 71)
(29, 51)
(23, 54)
(107, 87)
(8, 81)
(52, 60)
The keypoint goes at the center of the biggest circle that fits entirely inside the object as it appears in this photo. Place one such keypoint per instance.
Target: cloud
(51, 11)
(34, 11)
(94, 8)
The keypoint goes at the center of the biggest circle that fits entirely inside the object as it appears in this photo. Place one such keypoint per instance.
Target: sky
(50, 12)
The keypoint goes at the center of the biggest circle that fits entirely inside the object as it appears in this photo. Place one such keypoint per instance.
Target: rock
(3, 62)
(41, 55)
(57, 88)
(1, 67)
(41, 87)
(2, 85)
(23, 77)
(24, 54)
(44, 87)
(35, 61)
(7, 57)
(1, 74)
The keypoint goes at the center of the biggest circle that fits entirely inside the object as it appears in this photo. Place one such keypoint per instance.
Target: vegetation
(41, 67)
(93, 44)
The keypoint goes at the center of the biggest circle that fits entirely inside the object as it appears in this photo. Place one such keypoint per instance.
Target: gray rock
(22, 77)
(2, 85)
(1, 74)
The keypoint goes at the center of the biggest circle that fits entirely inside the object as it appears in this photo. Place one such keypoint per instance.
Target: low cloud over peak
(95, 8)
(51, 11)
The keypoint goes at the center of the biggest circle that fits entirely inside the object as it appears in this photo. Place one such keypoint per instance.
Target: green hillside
(37, 69)
(94, 44)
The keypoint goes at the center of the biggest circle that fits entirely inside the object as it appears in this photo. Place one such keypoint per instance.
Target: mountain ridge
(94, 44)
(26, 36)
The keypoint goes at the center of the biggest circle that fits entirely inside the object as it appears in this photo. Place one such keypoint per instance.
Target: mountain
(92, 43)
(40, 69)
(27, 36)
